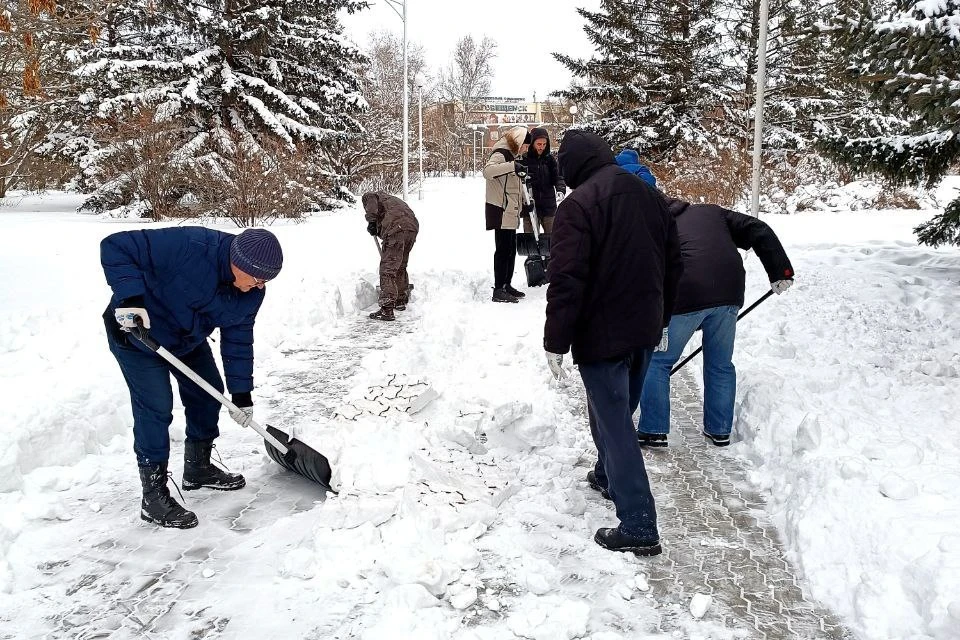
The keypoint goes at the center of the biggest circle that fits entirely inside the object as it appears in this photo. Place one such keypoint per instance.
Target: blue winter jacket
(630, 160)
(184, 276)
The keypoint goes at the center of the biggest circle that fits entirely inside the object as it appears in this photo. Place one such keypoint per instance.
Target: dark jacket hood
(628, 156)
(535, 134)
(371, 202)
(581, 155)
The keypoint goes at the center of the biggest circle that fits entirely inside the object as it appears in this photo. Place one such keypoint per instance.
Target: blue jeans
(613, 392)
(151, 396)
(719, 325)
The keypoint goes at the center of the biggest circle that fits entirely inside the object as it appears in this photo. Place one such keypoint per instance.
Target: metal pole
(420, 108)
(758, 105)
(406, 108)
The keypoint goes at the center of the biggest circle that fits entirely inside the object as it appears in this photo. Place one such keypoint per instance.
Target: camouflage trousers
(393, 269)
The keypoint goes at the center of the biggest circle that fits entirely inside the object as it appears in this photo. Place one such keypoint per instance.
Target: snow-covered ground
(846, 418)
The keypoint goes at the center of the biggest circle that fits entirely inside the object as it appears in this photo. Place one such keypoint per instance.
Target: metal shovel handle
(700, 348)
(141, 334)
(534, 220)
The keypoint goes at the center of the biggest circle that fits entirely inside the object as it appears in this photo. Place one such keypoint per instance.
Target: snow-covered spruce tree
(801, 83)
(658, 79)
(214, 75)
(909, 59)
(36, 84)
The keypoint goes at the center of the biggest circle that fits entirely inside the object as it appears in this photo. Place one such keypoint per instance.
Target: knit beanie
(257, 253)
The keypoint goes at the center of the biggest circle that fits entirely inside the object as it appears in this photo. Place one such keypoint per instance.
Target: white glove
(664, 342)
(242, 415)
(555, 362)
(127, 317)
(781, 285)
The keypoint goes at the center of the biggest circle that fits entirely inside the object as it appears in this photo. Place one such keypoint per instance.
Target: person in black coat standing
(710, 295)
(613, 274)
(545, 180)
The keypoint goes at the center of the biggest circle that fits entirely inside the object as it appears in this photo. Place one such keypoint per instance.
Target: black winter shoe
(157, 506)
(615, 540)
(383, 314)
(199, 472)
(592, 481)
(720, 441)
(516, 293)
(652, 439)
(501, 295)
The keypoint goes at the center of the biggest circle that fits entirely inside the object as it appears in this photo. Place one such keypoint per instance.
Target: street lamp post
(400, 8)
(420, 82)
(758, 108)
(573, 114)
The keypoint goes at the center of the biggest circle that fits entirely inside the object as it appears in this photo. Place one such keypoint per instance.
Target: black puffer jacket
(615, 258)
(713, 274)
(545, 178)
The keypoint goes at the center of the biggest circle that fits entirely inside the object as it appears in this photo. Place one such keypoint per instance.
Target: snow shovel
(535, 246)
(289, 453)
(743, 313)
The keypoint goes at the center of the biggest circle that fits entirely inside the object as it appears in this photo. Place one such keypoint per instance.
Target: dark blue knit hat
(257, 253)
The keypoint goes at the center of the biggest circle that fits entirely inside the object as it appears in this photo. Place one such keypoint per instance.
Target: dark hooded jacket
(713, 274)
(545, 176)
(615, 258)
(390, 214)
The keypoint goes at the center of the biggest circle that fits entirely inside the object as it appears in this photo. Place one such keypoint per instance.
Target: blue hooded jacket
(184, 276)
(630, 160)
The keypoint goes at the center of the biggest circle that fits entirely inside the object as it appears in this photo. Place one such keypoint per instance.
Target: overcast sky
(526, 32)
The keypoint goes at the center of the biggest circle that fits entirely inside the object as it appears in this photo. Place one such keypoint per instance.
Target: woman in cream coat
(504, 208)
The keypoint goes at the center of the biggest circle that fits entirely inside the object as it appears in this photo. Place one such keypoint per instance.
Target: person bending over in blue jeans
(709, 296)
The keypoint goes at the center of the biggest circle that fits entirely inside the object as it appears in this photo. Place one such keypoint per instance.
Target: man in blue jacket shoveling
(181, 284)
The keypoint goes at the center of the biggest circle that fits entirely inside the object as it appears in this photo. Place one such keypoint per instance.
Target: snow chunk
(808, 435)
(549, 618)
(464, 598)
(897, 488)
(699, 604)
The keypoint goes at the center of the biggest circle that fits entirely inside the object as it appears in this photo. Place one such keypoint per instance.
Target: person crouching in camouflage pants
(393, 221)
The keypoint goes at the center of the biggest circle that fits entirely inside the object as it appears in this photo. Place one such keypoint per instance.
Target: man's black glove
(520, 168)
(372, 228)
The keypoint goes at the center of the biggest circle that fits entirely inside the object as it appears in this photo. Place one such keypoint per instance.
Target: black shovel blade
(536, 271)
(529, 245)
(300, 458)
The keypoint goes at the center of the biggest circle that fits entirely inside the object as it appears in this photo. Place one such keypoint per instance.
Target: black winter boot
(720, 441)
(615, 540)
(199, 472)
(383, 314)
(652, 439)
(592, 481)
(157, 506)
(516, 293)
(501, 295)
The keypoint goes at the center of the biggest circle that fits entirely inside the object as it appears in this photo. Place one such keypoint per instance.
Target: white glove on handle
(781, 285)
(664, 341)
(242, 415)
(127, 317)
(555, 362)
